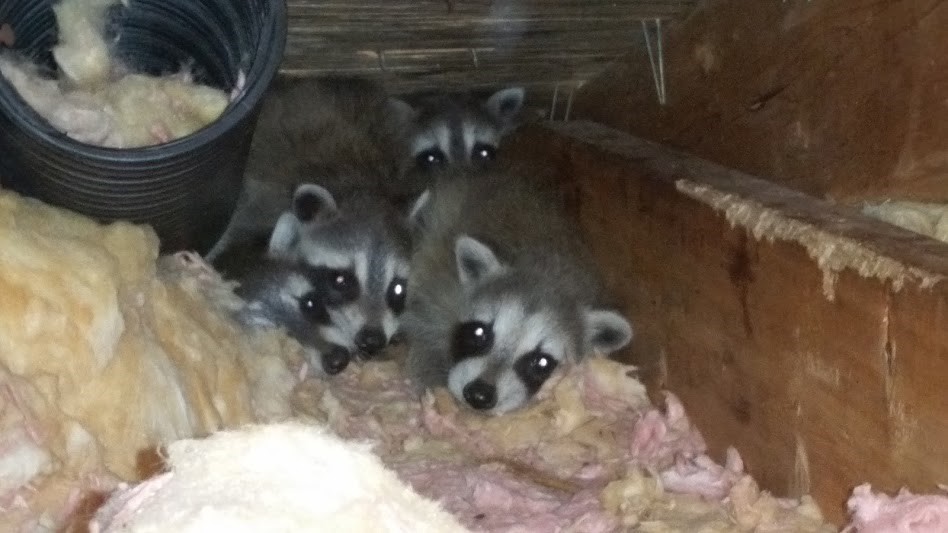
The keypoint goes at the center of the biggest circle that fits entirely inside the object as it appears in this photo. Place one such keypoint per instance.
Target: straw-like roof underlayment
(449, 44)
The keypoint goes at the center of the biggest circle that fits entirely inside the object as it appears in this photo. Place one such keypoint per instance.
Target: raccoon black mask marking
(284, 294)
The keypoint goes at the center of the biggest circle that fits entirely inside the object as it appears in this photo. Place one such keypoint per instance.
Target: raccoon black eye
(472, 338)
(535, 368)
(344, 285)
(430, 158)
(483, 152)
(397, 290)
(311, 306)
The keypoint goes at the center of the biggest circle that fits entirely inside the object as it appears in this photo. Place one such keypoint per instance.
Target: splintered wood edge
(832, 252)
(837, 237)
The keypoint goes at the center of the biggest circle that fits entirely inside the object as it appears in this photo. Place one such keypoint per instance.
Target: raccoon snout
(335, 360)
(480, 394)
(397, 338)
(370, 340)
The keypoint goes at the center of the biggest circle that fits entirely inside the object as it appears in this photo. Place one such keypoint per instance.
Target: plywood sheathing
(836, 99)
(724, 276)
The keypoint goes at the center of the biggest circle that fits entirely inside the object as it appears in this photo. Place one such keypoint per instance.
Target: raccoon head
(447, 131)
(361, 259)
(289, 295)
(512, 335)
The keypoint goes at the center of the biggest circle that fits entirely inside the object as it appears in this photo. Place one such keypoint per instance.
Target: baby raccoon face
(503, 353)
(447, 132)
(362, 274)
(514, 337)
(288, 295)
(442, 144)
(303, 300)
(364, 296)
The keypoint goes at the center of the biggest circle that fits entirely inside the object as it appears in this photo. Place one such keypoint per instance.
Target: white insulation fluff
(98, 101)
(928, 219)
(282, 477)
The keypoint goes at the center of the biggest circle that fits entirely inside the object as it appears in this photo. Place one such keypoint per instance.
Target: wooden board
(456, 44)
(838, 99)
(811, 338)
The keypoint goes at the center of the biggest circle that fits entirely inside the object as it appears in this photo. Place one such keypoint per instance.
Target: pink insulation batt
(549, 466)
(904, 513)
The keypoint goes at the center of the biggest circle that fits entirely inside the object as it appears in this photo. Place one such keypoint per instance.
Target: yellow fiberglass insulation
(107, 351)
(100, 102)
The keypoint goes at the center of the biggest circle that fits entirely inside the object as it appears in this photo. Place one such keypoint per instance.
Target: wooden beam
(841, 100)
(490, 10)
(452, 66)
(808, 336)
(431, 44)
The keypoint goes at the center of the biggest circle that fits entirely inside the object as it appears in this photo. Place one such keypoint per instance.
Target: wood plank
(844, 100)
(537, 66)
(484, 9)
(806, 335)
(431, 44)
(598, 38)
(455, 71)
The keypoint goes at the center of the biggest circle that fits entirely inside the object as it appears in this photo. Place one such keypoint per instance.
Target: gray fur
(343, 133)
(495, 248)
(337, 135)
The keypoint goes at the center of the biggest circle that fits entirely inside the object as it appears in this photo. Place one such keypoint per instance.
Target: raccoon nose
(370, 340)
(335, 360)
(480, 394)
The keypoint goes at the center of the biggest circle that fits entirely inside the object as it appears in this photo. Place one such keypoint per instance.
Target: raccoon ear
(505, 105)
(419, 209)
(311, 201)
(402, 111)
(475, 260)
(606, 331)
(285, 235)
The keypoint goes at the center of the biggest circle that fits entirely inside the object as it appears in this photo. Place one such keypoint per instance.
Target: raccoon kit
(335, 142)
(457, 130)
(334, 132)
(333, 272)
(286, 294)
(502, 291)
(347, 134)
(361, 243)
